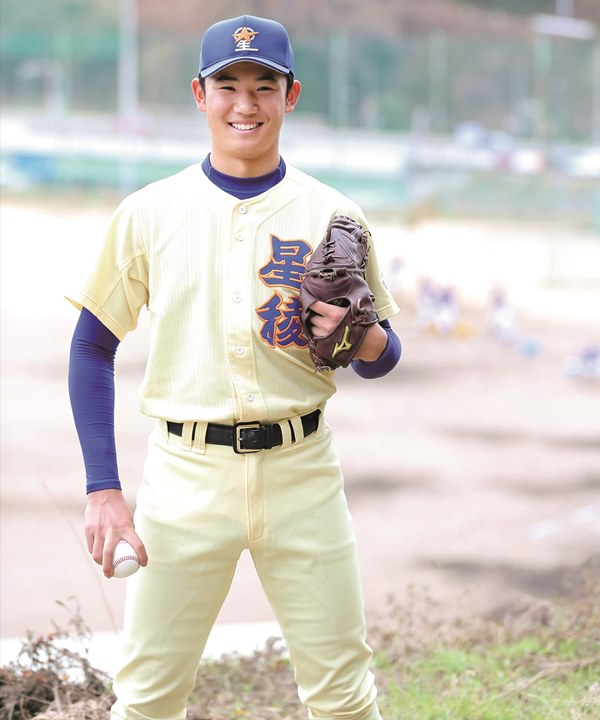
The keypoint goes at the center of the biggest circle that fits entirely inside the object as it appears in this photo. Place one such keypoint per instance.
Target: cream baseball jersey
(220, 278)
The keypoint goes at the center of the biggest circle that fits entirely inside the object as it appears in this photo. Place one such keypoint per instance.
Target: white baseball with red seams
(125, 560)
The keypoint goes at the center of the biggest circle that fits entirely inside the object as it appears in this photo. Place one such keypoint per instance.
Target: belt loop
(162, 429)
(199, 437)
(321, 423)
(187, 433)
(296, 423)
(286, 434)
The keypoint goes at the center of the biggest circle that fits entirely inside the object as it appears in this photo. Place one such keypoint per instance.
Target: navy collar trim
(243, 188)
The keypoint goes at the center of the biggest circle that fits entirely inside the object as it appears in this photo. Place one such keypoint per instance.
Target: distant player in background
(446, 312)
(426, 305)
(241, 456)
(503, 319)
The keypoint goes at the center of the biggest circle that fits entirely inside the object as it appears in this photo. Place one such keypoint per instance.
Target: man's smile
(245, 126)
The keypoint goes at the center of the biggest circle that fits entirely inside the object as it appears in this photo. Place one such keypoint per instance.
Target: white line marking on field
(587, 516)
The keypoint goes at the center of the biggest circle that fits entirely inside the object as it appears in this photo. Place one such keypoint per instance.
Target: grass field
(542, 662)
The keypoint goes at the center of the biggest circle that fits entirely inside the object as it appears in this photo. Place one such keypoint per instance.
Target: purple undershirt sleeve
(385, 362)
(92, 395)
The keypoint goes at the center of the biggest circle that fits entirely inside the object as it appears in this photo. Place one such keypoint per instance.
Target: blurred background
(469, 132)
(461, 106)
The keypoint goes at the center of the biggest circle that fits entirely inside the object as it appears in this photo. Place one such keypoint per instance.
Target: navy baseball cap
(246, 38)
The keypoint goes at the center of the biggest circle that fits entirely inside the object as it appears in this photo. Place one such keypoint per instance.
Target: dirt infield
(477, 476)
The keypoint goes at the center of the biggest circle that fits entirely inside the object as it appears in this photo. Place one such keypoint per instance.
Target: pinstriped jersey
(220, 278)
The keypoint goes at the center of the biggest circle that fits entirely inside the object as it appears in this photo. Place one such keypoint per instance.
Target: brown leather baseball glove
(335, 274)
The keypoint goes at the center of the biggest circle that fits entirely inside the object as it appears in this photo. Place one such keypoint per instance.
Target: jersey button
(250, 397)
(237, 298)
(243, 210)
(240, 237)
(239, 350)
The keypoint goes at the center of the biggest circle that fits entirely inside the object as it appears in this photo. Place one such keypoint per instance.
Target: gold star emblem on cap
(245, 34)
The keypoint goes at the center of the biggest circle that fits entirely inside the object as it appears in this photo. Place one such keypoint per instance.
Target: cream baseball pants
(199, 506)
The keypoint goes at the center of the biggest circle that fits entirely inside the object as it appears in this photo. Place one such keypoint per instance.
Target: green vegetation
(373, 66)
(542, 662)
(527, 679)
(520, 7)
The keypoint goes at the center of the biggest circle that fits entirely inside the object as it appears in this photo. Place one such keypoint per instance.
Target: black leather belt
(247, 437)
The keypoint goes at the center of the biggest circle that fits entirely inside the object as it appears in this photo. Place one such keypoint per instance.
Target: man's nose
(246, 103)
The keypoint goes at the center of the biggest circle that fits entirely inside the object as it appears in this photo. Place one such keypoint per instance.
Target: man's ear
(292, 96)
(199, 95)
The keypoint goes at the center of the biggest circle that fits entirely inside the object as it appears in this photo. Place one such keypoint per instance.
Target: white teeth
(245, 126)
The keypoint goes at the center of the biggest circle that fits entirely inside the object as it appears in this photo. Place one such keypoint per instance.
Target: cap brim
(215, 67)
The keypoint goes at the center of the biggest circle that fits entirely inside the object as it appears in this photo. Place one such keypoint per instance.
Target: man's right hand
(108, 519)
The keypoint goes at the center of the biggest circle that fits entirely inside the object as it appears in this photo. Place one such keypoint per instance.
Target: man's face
(245, 105)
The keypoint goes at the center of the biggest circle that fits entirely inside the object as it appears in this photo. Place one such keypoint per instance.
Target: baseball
(125, 560)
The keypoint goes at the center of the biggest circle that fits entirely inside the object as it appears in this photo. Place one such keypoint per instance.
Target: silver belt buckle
(237, 441)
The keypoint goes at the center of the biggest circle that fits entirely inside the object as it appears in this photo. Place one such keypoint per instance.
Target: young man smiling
(241, 457)
(245, 105)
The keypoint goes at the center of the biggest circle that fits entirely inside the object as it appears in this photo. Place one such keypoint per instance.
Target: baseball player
(241, 456)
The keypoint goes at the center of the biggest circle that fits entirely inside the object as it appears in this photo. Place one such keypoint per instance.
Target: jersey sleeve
(385, 305)
(118, 285)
